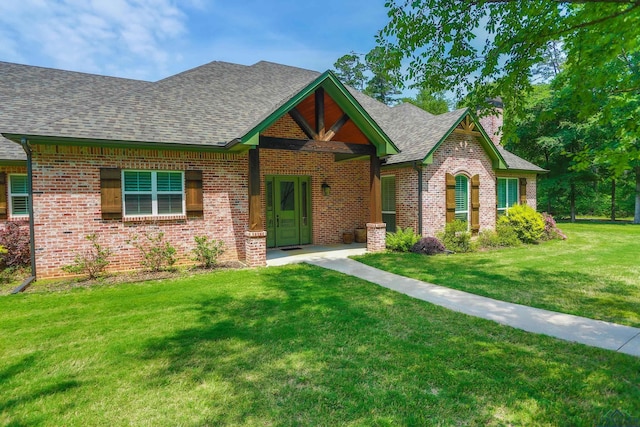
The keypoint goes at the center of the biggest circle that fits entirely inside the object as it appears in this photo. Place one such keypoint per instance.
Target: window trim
(505, 210)
(154, 194)
(11, 195)
(468, 211)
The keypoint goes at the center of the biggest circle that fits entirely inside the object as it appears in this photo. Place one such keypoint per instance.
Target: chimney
(492, 124)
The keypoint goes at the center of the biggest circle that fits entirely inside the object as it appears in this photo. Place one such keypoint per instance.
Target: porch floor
(278, 256)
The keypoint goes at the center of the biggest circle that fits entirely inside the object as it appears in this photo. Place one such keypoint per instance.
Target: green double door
(288, 203)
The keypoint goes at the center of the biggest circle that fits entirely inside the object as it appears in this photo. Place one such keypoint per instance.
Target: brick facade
(67, 204)
(458, 154)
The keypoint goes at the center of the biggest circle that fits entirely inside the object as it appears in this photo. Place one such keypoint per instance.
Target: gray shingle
(208, 105)
(31, 96)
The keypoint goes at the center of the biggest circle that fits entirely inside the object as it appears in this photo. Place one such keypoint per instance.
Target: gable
(468, 125)
(360, 128)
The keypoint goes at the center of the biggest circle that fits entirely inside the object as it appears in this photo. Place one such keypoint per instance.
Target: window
(19, 195)
(388, 184)
(462, 198)
(507, 194)
(153, 193)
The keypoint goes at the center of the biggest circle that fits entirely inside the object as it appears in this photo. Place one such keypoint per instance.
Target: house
(257, 156)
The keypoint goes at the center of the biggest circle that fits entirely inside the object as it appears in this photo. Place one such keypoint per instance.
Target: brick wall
(67, 204)
(346, 208)
(458, 154)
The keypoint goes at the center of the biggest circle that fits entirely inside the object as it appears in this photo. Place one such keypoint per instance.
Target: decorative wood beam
(320, 112)
(336, 127)
(375, 192)
(303, 123)
(255, 203)
(335, 147)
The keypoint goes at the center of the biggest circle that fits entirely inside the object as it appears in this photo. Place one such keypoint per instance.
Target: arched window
(462, 198)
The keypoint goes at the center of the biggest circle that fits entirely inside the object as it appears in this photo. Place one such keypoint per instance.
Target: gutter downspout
(32, 246)
(419, 170)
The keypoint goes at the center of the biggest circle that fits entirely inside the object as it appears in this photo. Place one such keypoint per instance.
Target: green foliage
(350, 70)
(92, 261)
(525, 221)
(434, 103)
(157, 254)
(456, 236)
(402, 240)
(503, 236)
(208, 251)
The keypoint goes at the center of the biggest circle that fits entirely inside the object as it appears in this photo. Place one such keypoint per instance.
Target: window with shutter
(507, 194)
(18, 195)
(153, 193)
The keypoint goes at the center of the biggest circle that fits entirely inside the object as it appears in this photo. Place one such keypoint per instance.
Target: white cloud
(98, 36)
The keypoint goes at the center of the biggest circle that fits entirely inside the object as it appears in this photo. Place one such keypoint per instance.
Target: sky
(153, 39)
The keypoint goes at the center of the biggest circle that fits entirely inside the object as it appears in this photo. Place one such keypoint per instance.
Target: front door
(288, 206)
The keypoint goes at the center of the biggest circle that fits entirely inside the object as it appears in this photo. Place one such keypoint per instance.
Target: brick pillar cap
(376, 225)
(255, 234)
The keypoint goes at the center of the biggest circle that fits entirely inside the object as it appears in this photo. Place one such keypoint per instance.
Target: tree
(489, 48)
(353, 72)
(350, 70)
(434, 103)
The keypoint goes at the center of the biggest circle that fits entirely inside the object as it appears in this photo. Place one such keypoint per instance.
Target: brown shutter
(111, 193)
(193, 193)
(451, 197)
(3, 195)
(523, 191)
(475, 204)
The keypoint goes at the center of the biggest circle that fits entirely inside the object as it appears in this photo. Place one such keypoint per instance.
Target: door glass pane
(287, 196)
(269, 195)
(304, 209)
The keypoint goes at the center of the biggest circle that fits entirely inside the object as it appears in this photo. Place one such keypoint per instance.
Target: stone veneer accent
(376, 236)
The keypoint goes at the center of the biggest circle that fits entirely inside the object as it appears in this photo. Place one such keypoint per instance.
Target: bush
(157, 254)
(16, 241)
(551, 230)
(402, 240)
(503, 236)
(93, 261)
(526, 222)
(456, 236)
(207, 251)
(428, 246)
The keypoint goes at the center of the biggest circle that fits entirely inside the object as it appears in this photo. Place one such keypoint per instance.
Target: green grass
(286, 346)
(595, 273)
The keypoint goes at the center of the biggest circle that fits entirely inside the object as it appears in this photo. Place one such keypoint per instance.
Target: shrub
(503, 236)
(207, 251)
(15, 240)
(456, 236)
(92, 261)
(402, 240)
(157, 254)
(428, 246)
(526, 222)
(551, 230)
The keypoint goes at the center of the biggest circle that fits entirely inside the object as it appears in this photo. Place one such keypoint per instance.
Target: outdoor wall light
(326, 189)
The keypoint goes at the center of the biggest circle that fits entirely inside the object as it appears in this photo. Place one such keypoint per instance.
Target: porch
(298, 254)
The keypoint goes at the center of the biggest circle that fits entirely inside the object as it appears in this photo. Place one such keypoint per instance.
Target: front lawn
(595, 273)
(295, 345)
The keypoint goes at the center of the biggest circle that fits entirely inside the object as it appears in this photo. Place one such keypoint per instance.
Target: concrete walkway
(595, 333)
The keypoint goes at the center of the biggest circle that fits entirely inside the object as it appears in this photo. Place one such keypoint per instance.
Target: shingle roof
(209, 105)
(31, 96)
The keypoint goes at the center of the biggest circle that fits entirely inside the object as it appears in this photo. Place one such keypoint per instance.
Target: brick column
(376, 236)
(255, 248)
